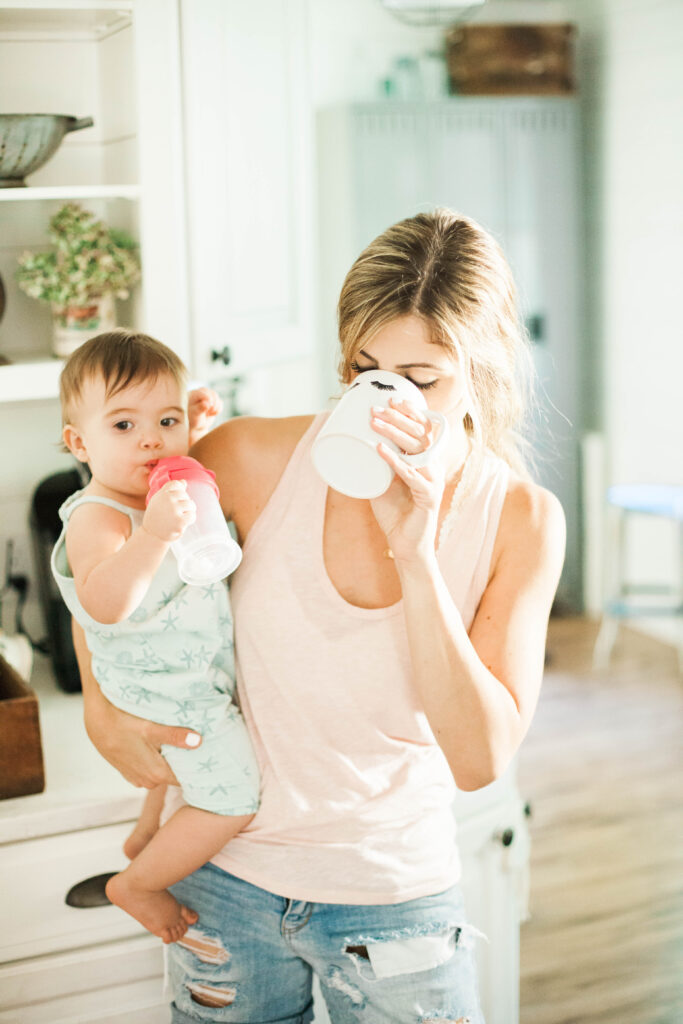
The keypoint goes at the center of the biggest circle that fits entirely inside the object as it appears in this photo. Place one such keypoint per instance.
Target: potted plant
(90, 265)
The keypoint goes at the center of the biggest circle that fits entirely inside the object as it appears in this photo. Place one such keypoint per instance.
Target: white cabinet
(512, 164)
(249, 182)
(494, 847)
(201, 149)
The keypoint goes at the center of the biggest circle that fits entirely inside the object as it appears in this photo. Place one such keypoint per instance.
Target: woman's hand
(408, 511)
(203, 405)
(132, 744)
(129, 743)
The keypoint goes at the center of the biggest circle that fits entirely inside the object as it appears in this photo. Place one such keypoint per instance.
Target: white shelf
(29, 194)
(38, 20)
(35, 379)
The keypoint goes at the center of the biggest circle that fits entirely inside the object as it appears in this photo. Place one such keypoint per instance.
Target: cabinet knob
(223, 356)
(90, 892)
(536, 326)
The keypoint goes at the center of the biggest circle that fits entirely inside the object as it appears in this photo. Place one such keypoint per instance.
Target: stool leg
(680, 597)
(607, 634)
(614, 562)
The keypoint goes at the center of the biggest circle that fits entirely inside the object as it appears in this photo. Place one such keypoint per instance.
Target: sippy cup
(206, 551)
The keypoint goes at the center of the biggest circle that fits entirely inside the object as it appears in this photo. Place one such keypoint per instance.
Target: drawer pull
(90, 892)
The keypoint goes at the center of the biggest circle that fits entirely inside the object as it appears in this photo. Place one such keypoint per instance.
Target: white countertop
(81, 789)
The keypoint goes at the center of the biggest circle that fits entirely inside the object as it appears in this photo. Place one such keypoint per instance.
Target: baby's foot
(137, 841)
(157, 911)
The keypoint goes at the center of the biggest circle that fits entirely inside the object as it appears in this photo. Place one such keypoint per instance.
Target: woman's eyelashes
(357, 368)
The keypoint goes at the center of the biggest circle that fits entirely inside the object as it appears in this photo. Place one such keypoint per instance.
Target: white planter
(72, 325)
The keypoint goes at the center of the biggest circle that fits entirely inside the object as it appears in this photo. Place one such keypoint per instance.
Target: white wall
(635, 247)
(355, 42)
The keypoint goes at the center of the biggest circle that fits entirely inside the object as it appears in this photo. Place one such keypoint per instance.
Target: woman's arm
(130, 744)
(480, 691)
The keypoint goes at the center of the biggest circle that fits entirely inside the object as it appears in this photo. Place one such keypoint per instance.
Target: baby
(161, 649)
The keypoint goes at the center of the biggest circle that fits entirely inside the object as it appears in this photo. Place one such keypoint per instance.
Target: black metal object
(90, 892)
(45, 526)
(507, 837)
(223, 355)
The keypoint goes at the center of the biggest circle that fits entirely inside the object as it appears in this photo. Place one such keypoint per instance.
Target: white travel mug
(206, 551)
(345, 451)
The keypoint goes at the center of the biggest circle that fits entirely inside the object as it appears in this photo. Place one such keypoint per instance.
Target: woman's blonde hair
(446, 269)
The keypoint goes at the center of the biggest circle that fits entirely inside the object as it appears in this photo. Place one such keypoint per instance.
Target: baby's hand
(203, 405)
(170, 511)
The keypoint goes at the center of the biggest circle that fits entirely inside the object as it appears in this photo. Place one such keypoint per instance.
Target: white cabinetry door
(543, 247)
(389, 170)
(248, 181)
(494, 848)
(465, 165)
(162, 174)
(110, 983)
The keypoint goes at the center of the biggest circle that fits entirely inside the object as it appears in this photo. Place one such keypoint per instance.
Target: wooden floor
(602, 767)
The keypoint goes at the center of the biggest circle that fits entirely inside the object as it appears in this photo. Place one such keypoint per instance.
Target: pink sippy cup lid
(179, 467)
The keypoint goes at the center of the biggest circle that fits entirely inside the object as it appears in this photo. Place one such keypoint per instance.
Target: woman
(385, 649)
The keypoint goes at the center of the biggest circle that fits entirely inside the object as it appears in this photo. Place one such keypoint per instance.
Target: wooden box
(21, 750)
(495, 60)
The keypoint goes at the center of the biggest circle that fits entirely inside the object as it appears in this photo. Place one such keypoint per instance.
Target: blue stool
(639, 499)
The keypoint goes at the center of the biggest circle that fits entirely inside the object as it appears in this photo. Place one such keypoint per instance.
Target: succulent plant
(89, 260)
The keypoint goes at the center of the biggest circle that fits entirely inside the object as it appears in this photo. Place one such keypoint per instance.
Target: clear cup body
(206, 551)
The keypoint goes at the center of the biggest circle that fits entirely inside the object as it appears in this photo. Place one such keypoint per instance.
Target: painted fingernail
(192, 739)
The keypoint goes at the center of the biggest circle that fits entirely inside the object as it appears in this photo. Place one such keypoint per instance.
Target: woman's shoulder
(532, 525)
(249, 454)
(247, 437)
(529, 502)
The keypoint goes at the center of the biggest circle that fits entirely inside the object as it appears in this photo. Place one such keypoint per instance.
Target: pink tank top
(356, 793)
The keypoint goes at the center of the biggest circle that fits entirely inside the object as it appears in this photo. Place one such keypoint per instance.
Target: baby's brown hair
(121, 358)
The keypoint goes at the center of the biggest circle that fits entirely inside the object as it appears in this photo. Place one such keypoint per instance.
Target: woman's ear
(74, 442)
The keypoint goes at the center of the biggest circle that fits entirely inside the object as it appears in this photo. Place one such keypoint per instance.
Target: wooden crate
(495, 60)
(21, 750)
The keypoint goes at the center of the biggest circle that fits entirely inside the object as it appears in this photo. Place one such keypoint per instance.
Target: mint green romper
(171, 661)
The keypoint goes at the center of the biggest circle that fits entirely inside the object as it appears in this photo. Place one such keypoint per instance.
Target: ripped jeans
(252, 956)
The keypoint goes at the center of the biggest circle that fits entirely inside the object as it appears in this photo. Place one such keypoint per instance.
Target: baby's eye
(169, 421)
(123, 425)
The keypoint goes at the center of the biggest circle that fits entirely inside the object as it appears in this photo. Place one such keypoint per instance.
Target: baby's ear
(74, 442)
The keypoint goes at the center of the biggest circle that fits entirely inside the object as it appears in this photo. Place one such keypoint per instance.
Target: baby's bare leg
(187, 841)
(147, 824)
